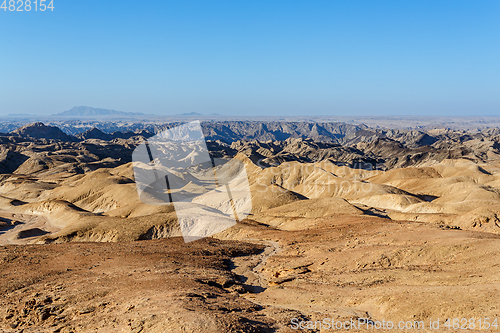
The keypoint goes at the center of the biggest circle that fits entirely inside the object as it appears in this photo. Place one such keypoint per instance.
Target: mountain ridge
(87, 111)
(271, 144)
(39, 130)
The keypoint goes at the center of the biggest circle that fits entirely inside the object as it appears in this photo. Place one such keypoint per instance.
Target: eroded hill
(403, 226)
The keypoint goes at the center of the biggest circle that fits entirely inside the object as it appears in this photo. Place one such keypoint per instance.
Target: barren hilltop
(348, 222)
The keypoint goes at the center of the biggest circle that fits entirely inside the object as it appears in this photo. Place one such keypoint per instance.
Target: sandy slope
(328, 241)
(101, 204)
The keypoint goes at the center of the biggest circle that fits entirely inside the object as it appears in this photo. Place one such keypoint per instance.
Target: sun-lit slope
(114, 229)
(267, 197)
(321, 181)
(306, 214)
(455, 192)
(314, 208)
(405, 173)
(24, 188)
(109, 191)
(446, 182)
(97, 191)
(103, 205)
(77, 224)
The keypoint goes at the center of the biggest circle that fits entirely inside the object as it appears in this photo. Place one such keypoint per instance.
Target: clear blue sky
(254, 57)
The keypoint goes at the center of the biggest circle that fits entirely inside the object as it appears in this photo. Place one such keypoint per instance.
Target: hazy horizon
(256, 115)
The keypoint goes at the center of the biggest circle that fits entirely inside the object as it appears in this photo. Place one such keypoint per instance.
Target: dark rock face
(41, 131)
(382, 153)
(10, 159)
(36, 147)
(230, 131)
(27, 155)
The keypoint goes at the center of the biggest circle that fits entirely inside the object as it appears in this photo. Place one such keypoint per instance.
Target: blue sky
(290, 58)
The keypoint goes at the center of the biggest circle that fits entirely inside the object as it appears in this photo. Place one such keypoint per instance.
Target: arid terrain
(348, 222)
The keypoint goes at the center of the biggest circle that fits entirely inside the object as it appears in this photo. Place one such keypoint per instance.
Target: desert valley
(348, 222)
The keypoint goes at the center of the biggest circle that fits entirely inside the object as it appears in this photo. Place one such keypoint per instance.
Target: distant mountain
(87, 111)
(41, 131)
(190, 114)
